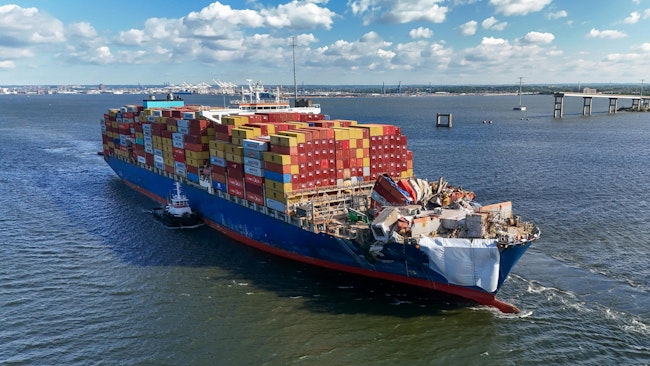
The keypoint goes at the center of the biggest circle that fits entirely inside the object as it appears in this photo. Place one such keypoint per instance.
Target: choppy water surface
(87, 277)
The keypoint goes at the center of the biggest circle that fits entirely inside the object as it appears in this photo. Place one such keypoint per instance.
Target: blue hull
(407, 265)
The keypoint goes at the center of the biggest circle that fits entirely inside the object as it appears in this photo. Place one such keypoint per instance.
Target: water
(87, 277)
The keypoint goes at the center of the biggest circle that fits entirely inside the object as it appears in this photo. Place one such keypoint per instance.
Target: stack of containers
(262, 158)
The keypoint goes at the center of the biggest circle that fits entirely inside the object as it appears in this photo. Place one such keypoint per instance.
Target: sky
(337, 42)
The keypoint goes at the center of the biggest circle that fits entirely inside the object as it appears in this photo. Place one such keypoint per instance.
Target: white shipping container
(184, 130)
(179, 165)
(183, 123)
(142, 159)
(178, 144)
(252, 170)
(218, 161)
(178, 136)
(189, 115)
(253, 162)
(148, 149)
(159, 159)
(279, 206)
(158, 152)
(255, 145)
(156, 113)
(146, 127)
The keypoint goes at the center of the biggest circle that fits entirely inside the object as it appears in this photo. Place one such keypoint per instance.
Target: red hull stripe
(480, 297)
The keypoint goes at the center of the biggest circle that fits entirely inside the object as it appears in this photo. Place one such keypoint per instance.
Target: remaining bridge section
(638, 102)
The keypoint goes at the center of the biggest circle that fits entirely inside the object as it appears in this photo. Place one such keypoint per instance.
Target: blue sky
(366, 42)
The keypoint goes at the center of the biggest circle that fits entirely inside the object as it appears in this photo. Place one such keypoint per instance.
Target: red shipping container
(236, 191)
(253, 180)
(255, 198)
(217, 177)
(234, 182)
(235, 173)
(253, 188)
(192, 169)
(219, 170)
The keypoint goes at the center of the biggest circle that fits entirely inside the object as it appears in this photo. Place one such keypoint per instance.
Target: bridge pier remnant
(439, 122)
(613, 105)
(558, 107)
(586, 106)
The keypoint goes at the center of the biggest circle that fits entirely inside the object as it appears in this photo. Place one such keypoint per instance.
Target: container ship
(332, 193)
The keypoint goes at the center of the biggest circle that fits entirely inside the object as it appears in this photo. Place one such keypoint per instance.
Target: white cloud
(24, 26)
(539, 38)
(519, 7)
(133, 37)
(645, 47)
(622, 57)
(557, 15)
(81, 30)
(611, 34)
(633, 18)
(494, 24)
(7, 64)
(469, 28)
(421, 32)
(299, 15)
(399, 12)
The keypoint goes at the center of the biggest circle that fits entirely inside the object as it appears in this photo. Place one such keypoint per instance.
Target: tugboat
(177, 214)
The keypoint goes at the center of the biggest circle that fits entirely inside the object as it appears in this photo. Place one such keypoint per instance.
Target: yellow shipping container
(166, 141)
(246, 132)
(218, 145)
(234, 158)
(172, 128)
(283, 140)
(341, 134)
(272, 185)
(275, 195)
(365, 143)
(375, 130)
(276, 158)
(198, 163)
(197, 154)
(353, 143)
(359, 153)
(157, 140)
(366, 162)
(300, 137)
(167, 148)
(408, 173)
(234, 120)
(206, 139)
(298, 124)
(139, 135)
(237, 140)
(235, 149)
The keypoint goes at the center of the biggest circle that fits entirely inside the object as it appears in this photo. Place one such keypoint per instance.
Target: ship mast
(295, 84)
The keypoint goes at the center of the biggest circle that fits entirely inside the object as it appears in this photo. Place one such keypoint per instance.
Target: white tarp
(464, 262)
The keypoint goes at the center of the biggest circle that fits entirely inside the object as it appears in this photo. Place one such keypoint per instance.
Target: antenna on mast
(293, 51)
